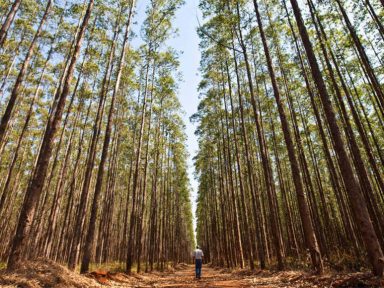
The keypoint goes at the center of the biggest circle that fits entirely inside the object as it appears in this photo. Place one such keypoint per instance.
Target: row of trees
(291, 133)
(92, 148)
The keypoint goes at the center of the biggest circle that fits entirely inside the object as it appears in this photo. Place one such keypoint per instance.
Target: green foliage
(148, 90)
(221, 162)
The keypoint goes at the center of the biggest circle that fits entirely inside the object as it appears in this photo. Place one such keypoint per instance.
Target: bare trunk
(309, 231)
(8, 21)
(20, 77)
(35, 188)
(99, 181)
(353, 188)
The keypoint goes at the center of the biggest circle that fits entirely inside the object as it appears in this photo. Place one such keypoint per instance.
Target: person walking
(198, 258)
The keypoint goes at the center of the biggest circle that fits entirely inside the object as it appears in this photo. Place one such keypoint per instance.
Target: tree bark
(8, 21)
(20, 77)
(363, 55)
(353, 188)
(35, 187)
(99, 181)
(309, 232)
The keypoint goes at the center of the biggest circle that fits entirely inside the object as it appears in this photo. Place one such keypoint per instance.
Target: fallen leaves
(302, 279)
(46, 273)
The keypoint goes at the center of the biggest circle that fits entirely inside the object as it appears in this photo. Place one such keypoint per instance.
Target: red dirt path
(221, 278)
(186, 278)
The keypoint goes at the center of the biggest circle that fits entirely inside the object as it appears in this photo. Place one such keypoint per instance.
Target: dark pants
(198, 265)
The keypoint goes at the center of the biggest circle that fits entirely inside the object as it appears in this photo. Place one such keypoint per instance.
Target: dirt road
(265, 279)
(186, 278)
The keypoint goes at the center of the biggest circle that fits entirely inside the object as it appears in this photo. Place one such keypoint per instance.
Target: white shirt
(198, 254)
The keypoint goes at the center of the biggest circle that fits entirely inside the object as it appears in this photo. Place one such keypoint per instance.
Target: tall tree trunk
(99, 181)
(35, 187)
(20, 77)
(353, 188)
(309, 231)
(367, 188)
(375, 18)
(132, 224)
(248, 240)
(363, 55)
(81, 210)
(232, 186)
(8, 21)
(23, 131)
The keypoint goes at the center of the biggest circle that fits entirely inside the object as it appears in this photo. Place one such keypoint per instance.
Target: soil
(186, 278)
(46, 273)
(211, 277)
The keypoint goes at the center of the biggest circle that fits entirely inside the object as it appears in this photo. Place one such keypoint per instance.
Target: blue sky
(187, 41)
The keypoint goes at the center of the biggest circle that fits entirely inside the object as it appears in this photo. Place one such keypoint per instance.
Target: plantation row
(291, 135)
(92, 147)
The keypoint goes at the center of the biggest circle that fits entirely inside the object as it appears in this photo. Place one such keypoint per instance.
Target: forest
(94, 160)
(93, 165)
(290, 125)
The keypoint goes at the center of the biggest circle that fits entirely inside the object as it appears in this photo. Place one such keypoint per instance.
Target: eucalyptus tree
(8, 21)
(246, 40)
(353, 187)
(35, 187)
(107, 138)
(15, 91)
(78, 202)
(157, 29)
